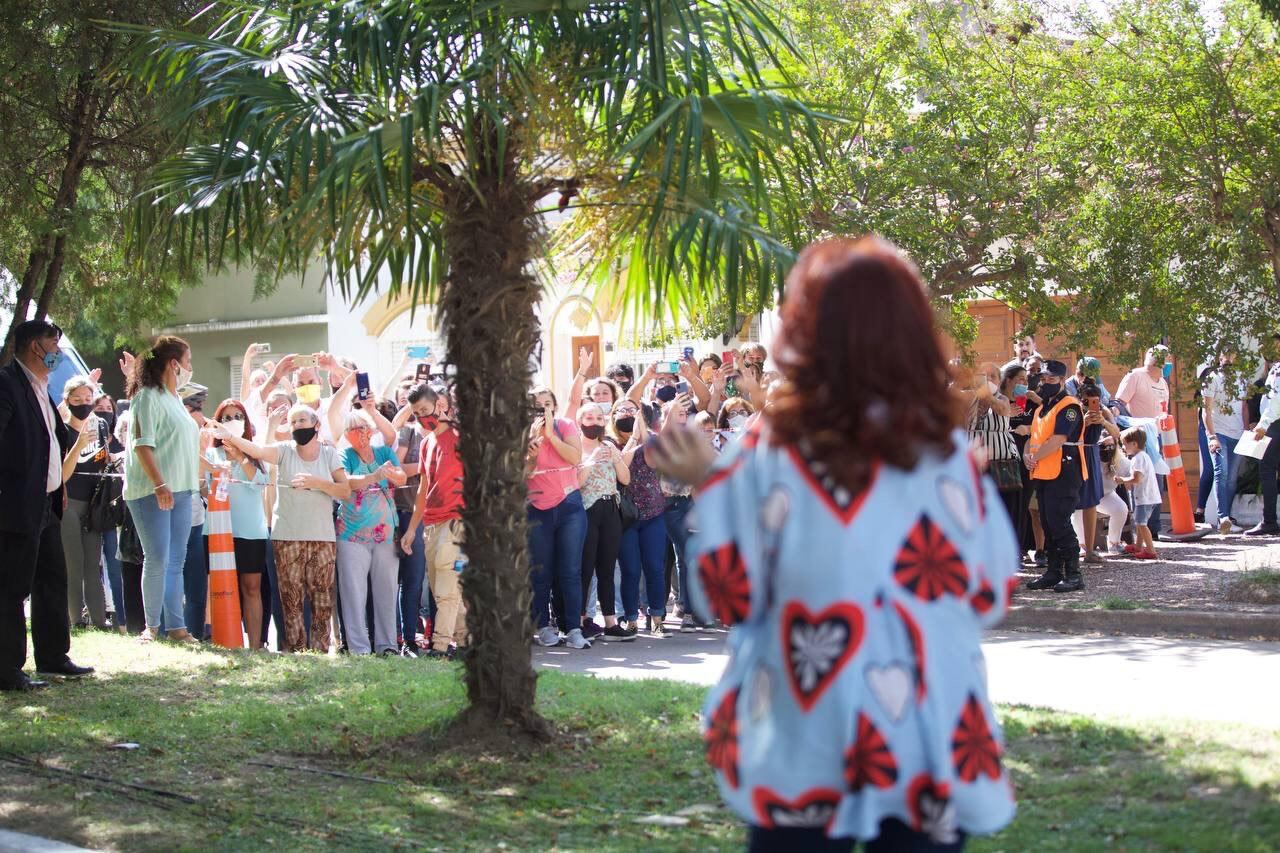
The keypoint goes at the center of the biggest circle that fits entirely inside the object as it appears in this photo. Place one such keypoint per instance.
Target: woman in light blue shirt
(857, 550)
(245, 493)
(161, 479)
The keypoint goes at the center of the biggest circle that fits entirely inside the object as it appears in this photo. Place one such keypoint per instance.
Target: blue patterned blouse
(856, 690)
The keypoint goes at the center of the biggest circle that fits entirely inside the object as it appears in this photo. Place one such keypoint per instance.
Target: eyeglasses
(231, 416)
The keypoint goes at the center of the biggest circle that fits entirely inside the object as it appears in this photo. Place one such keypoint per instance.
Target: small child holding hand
(1146, 492)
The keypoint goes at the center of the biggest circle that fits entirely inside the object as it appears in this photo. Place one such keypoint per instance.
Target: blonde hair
(75, 383)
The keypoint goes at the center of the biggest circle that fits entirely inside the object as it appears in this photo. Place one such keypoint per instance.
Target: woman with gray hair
(366, 529)
(309, 478)
(82, 470)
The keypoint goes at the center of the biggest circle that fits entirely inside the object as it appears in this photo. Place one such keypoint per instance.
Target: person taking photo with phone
(557, 522)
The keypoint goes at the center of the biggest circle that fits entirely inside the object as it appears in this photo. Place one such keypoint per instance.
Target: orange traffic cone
(224, 588)
(1184, 524)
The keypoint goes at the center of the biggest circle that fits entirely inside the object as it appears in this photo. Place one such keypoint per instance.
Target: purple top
(645, 490)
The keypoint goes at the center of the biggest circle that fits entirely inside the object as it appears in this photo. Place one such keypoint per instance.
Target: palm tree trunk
(488, 307)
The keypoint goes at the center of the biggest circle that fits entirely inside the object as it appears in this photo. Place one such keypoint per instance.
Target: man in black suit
(33, 440)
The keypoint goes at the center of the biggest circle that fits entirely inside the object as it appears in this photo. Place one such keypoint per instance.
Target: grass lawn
(220, 736)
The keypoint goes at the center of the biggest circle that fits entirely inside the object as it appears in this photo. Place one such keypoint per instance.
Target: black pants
(33, 564)
(895, 837)
(131, 580)
(600, 552)
(1014, 504)
(1267, 473)
(1058, 499)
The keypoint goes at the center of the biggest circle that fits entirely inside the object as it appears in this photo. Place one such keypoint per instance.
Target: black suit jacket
(24, 453)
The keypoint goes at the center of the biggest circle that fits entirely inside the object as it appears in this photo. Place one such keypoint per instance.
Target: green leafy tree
(1177, 116)
(420, 141)
(75, 139)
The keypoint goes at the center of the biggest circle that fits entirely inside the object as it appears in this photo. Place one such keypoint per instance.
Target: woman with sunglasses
(247, 483)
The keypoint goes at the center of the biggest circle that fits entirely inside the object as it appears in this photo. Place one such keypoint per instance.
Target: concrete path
(1107, 676)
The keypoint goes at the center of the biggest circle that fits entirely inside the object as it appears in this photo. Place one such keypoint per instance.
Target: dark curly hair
(855, 317)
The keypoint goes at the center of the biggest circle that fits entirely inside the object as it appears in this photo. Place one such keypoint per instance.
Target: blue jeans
(1226, 465)
(195, 581)
(163, 534)
(678, 532)
(110, 545)
(1207, 469)
(413, 570)
(556, 537)
(644, 551)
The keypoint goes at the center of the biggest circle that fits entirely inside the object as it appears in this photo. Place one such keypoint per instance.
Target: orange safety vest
(1048, 467)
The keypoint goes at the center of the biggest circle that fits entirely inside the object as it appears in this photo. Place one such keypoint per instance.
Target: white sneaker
(575, 640)
(549, 636)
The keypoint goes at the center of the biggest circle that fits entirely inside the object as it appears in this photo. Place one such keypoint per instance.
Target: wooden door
(592, 345)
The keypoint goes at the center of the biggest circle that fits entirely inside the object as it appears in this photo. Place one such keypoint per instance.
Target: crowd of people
(345, 500)
(1081, 471)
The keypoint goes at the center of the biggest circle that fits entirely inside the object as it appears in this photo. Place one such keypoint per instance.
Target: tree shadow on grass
(256, 742)
(1085, 785)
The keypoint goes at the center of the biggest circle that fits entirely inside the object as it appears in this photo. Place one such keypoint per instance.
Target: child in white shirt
(1146, 491)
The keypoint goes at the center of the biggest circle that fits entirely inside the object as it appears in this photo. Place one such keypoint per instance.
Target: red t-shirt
(442, 475)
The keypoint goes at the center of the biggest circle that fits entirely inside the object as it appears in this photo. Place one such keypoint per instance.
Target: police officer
(1058, 471)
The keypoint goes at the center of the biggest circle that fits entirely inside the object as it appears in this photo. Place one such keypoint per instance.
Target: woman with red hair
(247, 485)
(857, 551)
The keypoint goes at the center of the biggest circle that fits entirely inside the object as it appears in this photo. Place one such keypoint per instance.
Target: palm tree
(418, 139)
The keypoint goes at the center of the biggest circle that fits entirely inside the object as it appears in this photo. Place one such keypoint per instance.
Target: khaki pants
(442, 544)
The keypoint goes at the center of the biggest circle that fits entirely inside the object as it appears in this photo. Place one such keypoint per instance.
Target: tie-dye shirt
(856, 690)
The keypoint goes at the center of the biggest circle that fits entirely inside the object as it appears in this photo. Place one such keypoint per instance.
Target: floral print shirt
(369, 515)
(602, 479)
(856, 689)
(644, 489)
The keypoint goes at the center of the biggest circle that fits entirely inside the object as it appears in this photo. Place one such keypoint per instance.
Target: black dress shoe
(22, 682)
(1265, 528)
(66, 669)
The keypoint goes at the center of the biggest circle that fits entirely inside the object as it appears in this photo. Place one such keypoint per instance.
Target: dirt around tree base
(475, 733)
(1211, 574)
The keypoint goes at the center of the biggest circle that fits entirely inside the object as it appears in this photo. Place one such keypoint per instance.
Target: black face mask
(1049, 390)
(666, 393)
(81, 412)
(594, 431)
(304, 436)
(110, 418)
(624, 384)
(626, 424)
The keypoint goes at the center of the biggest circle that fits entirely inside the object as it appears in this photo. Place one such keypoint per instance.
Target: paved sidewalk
(1109, 676)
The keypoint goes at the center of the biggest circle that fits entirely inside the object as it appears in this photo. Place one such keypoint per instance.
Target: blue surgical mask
(1020, 390)
(52, 360)
(1168, 369)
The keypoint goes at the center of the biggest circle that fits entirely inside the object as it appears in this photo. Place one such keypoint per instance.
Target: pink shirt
(554, 478)
(1142, 395)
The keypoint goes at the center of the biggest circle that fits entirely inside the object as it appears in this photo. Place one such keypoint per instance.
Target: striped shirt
(992, 431)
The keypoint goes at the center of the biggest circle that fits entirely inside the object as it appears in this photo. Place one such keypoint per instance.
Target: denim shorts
(1143, 512)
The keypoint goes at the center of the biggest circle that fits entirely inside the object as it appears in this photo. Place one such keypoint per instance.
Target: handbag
(106, 505)
(128, 545)
(1007, 474)
(627, 509)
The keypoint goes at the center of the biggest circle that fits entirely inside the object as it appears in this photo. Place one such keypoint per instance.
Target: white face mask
(737, 422)
(236, 428)
(377, 440)
(605, 408)
(993, 387)
(184, 375)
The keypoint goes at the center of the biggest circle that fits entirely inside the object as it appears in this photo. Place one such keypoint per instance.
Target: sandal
(182, 635)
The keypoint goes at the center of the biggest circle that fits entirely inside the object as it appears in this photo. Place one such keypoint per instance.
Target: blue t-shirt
(248, 515)
(369, 515)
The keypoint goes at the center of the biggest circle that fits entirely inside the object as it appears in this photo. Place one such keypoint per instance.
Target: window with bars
(257, 361)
